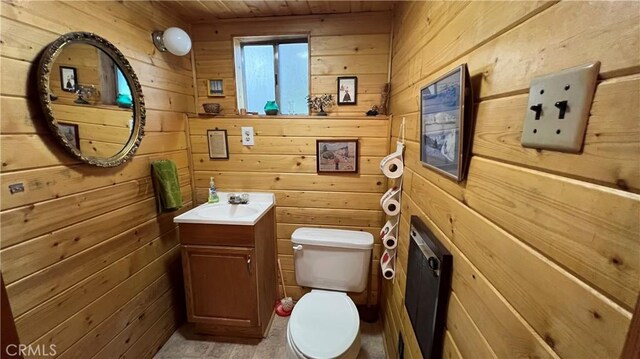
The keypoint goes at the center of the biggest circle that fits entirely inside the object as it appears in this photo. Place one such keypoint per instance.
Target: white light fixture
(174, 39)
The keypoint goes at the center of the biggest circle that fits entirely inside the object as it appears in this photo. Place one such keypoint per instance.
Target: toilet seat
(324, 324)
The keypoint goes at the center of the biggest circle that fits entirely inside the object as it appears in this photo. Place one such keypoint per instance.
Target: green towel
(165, 179)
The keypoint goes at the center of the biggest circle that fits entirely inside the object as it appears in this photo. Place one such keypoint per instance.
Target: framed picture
(337, 156)
(68, 78)
(347, 90)
(218, 145)
(70, 133)
(215, 88)
(445, 120)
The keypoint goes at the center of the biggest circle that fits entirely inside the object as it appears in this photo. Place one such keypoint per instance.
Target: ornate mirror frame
(44, 90)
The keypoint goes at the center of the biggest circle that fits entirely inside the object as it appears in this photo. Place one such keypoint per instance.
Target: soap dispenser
(213, 195)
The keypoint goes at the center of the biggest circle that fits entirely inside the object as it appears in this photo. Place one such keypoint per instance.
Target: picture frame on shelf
(215, 88)
(68, 78)
(446, 106)
(337, 156)
(347, 90)
(218, 144)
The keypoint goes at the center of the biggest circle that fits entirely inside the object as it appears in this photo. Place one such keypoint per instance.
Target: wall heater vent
(428, 286)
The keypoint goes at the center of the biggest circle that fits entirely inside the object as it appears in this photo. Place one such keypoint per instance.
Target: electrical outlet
(247, 136)
(558, 109)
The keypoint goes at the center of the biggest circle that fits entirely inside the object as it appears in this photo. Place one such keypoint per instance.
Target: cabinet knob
(249, 267)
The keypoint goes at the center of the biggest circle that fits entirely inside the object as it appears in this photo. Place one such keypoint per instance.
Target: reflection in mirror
(91, 100)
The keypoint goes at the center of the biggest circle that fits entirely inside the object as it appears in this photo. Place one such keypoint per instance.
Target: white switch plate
(575, 86)
(247, 136)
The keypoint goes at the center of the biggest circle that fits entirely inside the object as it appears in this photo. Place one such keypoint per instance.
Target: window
(122, 85)
(273, 69)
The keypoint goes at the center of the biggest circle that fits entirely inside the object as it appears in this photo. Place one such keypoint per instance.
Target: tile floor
(185, 344)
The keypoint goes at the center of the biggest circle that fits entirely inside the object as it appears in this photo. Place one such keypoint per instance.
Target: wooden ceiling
(207, 10)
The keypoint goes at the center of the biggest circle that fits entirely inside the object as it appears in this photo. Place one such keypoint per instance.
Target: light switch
(247, 136)
(558, 109)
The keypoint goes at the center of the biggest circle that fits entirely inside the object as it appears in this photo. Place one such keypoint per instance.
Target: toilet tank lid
(332, 238)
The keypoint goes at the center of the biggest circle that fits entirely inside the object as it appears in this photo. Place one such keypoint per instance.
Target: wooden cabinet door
(220, 285)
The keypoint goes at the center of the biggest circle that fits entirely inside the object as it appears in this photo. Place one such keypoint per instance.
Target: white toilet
(325, 322)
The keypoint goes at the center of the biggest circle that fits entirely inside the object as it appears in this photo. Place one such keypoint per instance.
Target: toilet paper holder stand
(397, 174)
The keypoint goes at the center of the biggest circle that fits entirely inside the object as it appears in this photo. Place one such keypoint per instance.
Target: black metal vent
(428, 286)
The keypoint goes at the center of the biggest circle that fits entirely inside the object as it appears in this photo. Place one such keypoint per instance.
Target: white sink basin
(234, 214)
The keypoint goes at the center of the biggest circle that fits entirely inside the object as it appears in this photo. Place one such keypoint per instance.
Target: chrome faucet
(238, 198)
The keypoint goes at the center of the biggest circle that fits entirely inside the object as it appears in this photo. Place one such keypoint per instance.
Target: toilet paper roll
(392, 167)
(391, 207)
(390, 241)
(389, 227)
(387, 264)
(391, 193)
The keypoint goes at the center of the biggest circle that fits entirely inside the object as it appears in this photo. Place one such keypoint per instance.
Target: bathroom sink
(225, 213)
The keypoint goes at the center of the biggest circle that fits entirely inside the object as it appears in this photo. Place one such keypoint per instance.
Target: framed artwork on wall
(215, 88)
(70, 132)
(347, 90)
(68, 78)
(446, 107)
(337, 156)
(218, 145)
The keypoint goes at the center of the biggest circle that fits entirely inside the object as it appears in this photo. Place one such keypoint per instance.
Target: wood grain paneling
(283, 161)
(90, 266)
(546, 243)
(204, 11)
(339, 45)
(587, 229)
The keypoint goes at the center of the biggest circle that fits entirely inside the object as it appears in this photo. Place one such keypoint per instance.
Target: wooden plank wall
(89, 265)
(102, 130)
(546, 244)
(340, 45)
(283, 161)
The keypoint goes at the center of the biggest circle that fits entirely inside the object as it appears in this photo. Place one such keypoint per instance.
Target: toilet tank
(332, 259)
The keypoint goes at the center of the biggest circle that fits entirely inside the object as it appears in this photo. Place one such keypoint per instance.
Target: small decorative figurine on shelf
(212, 108)
(271, 108)
(87, 95)
(318, 103)
(124, 101)
(373, 111)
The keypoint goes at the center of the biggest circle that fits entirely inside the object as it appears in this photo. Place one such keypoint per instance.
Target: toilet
(325, 322)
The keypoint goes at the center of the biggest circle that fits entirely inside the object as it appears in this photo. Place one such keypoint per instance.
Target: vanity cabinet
(230, 276)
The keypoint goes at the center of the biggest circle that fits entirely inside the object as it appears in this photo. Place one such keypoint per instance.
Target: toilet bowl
(324, 323)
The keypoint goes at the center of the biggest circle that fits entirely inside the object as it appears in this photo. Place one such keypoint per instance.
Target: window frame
(240, 42)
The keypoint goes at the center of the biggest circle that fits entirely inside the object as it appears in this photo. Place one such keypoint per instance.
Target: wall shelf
(285, 117)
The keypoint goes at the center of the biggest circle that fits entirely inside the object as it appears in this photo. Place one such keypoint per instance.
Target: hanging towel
(167, 186)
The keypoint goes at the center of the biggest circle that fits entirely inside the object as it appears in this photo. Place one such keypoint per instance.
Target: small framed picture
(347, 90)
(218, 145)
(68, 78)
(215, 88)
(337, 156)
(70, 133)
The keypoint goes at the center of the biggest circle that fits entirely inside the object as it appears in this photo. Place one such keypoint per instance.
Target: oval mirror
(92, 99)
